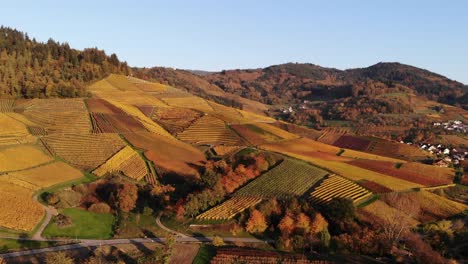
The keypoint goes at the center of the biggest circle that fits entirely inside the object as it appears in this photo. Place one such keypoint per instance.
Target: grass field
(205, 254)
(15, 244)
(21, 157)
(85, 225)
(289, 178)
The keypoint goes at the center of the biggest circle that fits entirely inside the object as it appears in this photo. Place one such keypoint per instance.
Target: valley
(294, 162)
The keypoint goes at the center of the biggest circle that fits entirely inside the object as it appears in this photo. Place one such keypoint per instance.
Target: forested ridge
(32, 69)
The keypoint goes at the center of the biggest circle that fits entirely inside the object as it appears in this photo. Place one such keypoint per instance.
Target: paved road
(158, 222)
(95, 243)
(82, 243)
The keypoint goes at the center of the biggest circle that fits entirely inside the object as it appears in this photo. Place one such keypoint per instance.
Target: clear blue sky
(229, 34)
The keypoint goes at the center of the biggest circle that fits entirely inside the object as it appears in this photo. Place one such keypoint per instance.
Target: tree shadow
(201, 237)
(25, 242)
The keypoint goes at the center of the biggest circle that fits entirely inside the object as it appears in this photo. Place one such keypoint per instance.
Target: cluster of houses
(446, 155)
(453, 125)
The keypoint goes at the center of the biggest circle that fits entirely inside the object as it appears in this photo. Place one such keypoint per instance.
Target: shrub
(68, 199)
(63, 221)
(341, 209)
(218, 241)
(51, 198)
(101, 208)
(58, 258)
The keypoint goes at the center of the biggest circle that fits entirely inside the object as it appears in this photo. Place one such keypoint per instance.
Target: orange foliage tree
(127, 196)
(257, 222)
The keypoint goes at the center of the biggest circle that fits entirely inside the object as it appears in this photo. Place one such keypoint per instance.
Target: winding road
(37, 236)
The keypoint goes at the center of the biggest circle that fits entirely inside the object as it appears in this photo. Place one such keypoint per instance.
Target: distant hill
(31, 69)
(292, 83)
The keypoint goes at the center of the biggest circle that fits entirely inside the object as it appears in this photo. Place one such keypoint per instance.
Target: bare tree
(399, 221)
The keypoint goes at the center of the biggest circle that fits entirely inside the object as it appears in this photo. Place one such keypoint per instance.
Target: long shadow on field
(24, 242)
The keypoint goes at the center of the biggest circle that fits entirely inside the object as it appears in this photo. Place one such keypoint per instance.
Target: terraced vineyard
(112, 123)
(127, 161)
(37, 131)
(241, 255)
(230, 208)
(20, 157)
(17, 210)
(336, 186)
(149, 124)
(289, 178)
(150, 178)
(44, 176)
(352, 142)
(59, 115)
(175, 119)
(146, 86)
(6, 105)
(193, 102)
(13, 132)
(86, 151)
(222, 150)
(209, 130)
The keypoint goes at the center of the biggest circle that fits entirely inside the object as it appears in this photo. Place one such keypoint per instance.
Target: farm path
(38, 234)
(158, 222)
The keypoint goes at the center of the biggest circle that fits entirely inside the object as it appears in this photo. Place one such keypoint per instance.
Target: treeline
(32, 69)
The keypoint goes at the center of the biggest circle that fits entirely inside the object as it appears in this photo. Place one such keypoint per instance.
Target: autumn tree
(286, 225)
(318, 224)
(59, 258)
(341, 209)
(399, 221)
(421, 250)
(303, 223)
(127, 196)
(256, 223)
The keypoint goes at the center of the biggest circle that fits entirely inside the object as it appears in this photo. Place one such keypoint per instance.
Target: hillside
(33, 69)
(292, 83)
(110, 163)
(193, 82)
